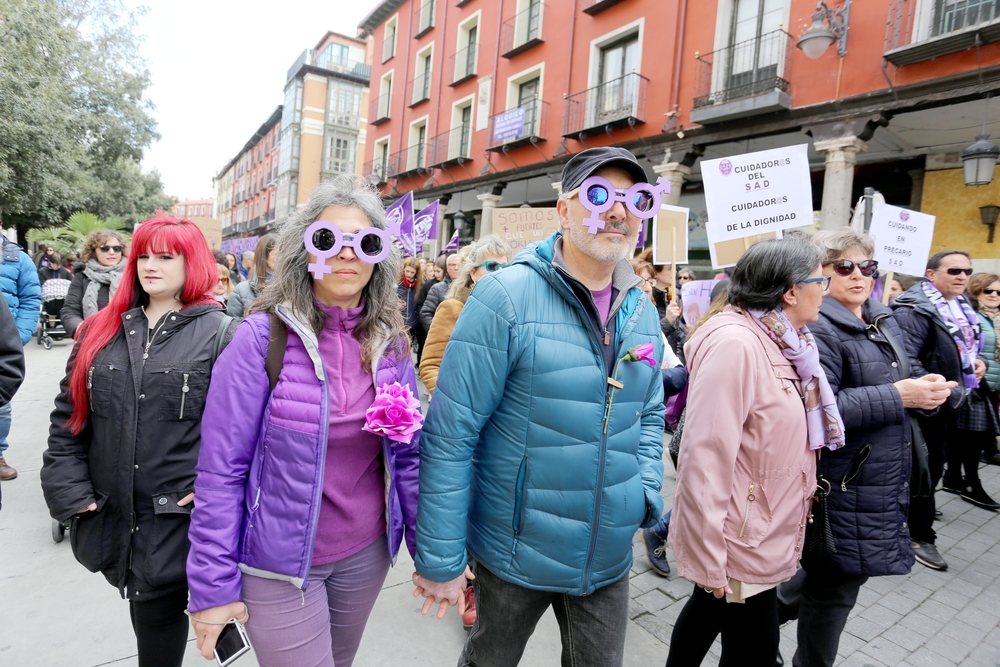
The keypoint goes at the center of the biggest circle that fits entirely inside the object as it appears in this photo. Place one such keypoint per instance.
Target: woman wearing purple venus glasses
(304, 498)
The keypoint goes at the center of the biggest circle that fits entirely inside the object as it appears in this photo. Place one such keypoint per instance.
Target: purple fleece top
(352, 513)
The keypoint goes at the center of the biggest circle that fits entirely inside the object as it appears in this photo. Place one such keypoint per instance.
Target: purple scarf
(966, 334)
(826, 428)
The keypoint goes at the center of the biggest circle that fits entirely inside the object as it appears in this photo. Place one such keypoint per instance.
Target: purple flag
(400, 213)
(452, 244)
(425, 226)
(642, 234)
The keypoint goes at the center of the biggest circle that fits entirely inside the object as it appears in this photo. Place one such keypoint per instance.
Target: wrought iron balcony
(420, 89)
(518, 126)
(607, 106)
(464, 64)
(451, 147)
(408, 161)
(423, 13)
(378, 111)
(744, 79)
(376, 170)
(951, 26)
(597, 6)
(523, 31)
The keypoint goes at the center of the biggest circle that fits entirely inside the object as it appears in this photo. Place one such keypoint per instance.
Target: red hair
(160, 234)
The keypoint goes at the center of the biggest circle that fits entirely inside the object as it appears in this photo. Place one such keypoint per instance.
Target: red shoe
(469, 617)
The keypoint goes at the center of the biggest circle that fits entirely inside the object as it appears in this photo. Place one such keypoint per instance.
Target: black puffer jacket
(676, 331)
(72, 310)
(136, 455)
(11, 355)
(870, 474)
(435, 296)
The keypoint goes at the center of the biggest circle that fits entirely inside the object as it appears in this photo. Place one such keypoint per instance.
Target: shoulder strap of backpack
(220, 337)
(276, 345)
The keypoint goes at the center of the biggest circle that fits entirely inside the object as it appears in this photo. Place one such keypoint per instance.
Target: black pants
(749, 630)
(821, 598)
(161, 629)
(963, 452)
(937, 431)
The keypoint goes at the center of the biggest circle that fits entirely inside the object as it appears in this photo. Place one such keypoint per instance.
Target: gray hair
(491, 245)
(770, 268)
(836, 243)
(292, 284)
(246, 254)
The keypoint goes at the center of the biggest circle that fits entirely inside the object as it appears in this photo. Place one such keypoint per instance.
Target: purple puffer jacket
(260, 470)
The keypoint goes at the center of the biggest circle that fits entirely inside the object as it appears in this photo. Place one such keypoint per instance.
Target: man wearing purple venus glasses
(943, 337)
(541, 451)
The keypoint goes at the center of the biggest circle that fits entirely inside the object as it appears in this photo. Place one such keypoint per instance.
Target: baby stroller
(50, 327)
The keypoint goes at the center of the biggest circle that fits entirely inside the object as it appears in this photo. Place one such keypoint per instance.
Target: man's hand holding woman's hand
(444, 593)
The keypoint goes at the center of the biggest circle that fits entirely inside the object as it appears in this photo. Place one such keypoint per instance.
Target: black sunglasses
(845, 267)
(955, 271)
(990, 292)
(111, 248)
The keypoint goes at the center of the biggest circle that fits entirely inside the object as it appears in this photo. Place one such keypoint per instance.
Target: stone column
(917, 192)
(490, 202)
(838, 181)
(675, 173)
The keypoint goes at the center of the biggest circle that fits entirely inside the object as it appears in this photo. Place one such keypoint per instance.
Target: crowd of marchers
(263, 468)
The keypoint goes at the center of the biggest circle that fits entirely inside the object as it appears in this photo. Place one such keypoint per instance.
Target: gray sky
(218, 71)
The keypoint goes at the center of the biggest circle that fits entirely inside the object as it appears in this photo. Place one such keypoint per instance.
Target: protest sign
(670, 235)
(522, 226)
(902, 239)
(696, 297)
(757, 193)
(727, 253)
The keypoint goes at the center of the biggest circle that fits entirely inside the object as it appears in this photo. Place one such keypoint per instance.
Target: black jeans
(937, 431)
(963, 452)
(161, 629)
(592, 626)
(821, 597)
(749, 630)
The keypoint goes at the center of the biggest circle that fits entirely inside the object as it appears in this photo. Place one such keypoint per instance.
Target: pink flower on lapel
(642, 352)
(394, 414)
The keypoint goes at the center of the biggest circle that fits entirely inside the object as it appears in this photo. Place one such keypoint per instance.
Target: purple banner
(453, 244)
(508, 125)
(399, 213)
(238, 246)
(425, 226)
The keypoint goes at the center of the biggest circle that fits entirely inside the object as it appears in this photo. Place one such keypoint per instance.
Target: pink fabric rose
(394, 414)
(643, 352)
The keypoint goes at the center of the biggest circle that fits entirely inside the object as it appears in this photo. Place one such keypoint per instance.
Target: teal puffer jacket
(990, 352)
(515, 461)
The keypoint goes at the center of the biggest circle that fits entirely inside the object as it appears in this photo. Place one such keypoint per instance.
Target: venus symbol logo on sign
(642, 199)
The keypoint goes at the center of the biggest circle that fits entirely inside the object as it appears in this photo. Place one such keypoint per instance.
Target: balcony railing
(617, 103)
(518, 126)
(747, 69)
(344, 66)
(389, 48)
(522, 32)
(913, 36)
(376, 170)
(378, 111)
(424, 17)
(420, 89)
(407, 161)
(597, 6)
(451, 147)
(464, 62)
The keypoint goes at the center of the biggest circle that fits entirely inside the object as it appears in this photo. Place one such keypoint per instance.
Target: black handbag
(920, 469)
(819, 535)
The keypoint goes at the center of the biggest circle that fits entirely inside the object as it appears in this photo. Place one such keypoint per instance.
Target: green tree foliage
(74, 119)
(70, 236)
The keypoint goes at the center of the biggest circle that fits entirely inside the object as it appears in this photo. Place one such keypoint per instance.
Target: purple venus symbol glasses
(642, 199)
(324, 240)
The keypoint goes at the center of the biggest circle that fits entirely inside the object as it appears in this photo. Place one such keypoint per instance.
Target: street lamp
(989, 214)
(979, 159)
(828, 26)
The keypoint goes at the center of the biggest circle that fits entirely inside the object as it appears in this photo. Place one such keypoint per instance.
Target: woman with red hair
(126, 429)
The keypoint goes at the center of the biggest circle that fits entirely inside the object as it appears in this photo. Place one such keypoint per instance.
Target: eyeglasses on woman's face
(492, 266)
(845, 267)
(110, 248)
(991, 292)
(823, 281)
(684, 278)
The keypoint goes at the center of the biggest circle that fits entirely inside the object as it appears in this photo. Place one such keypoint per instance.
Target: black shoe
(927, 554)
(990, 458)
(938, 514)
(975, 494)
(953, 484)
(656, 551)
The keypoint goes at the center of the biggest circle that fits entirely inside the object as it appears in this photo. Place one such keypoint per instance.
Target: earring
(794, 301)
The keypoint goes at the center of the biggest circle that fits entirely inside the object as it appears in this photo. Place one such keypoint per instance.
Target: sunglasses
(991, 292)
(684, 279)
(324, 240)
(823, 280)
(845, 267)
(492, 266)
(598, 194)
(111, 248)
(956, 271)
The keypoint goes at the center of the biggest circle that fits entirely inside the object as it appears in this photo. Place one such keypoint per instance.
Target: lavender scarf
(826, 428)
(968, 338)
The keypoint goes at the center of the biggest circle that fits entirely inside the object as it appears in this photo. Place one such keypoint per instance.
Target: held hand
(216, 618)
(923, 395)
(92, 507)
(719, 593)
(185, 500)
(673, 312)
(445, 593)
(980, 369)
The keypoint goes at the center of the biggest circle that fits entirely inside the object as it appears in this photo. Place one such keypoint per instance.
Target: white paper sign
(902, 239)
(670, 225)
(757, 193)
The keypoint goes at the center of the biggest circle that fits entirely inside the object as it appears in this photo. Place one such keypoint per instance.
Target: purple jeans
(323, 627)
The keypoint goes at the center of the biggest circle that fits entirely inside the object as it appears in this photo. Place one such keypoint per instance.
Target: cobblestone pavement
(924, 619)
